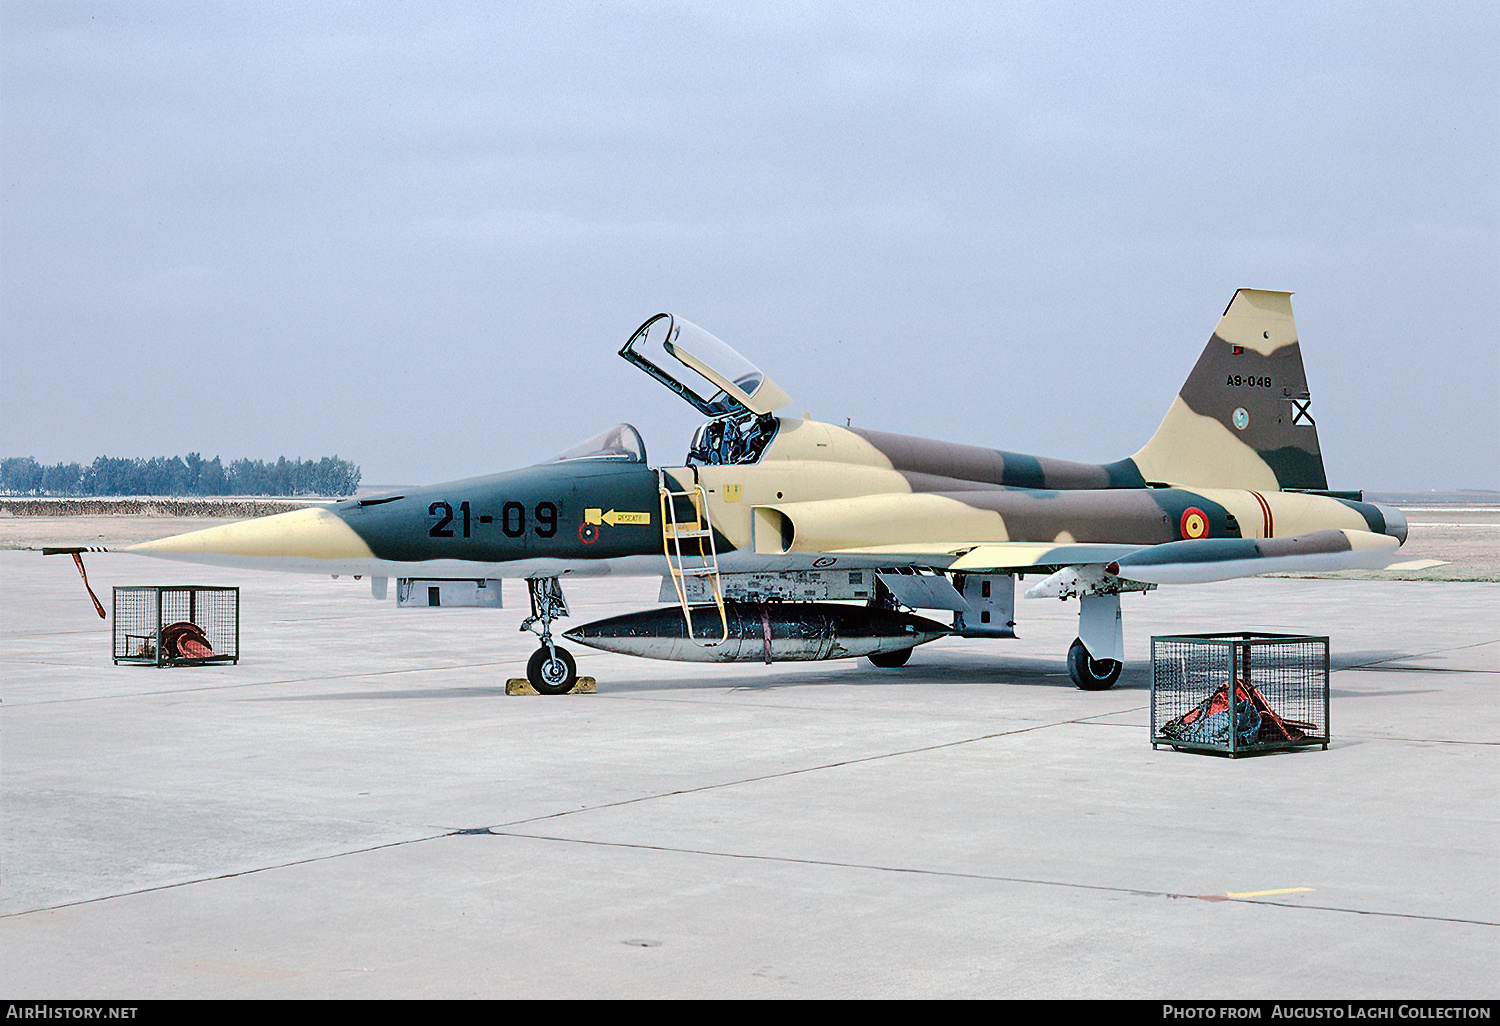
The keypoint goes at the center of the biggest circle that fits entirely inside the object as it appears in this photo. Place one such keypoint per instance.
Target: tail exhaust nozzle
(1395, 521)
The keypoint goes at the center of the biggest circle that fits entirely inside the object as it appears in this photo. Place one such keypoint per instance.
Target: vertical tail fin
(1241, 420)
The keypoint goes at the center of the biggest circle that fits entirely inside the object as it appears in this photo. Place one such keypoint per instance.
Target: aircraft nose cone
(1395, 522)
(313, 533)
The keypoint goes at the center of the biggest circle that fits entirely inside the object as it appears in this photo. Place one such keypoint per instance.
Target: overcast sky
(415, 236)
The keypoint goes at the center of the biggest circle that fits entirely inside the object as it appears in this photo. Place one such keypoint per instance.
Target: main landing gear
(551, 669)
(1089, 673)
(1100, 634)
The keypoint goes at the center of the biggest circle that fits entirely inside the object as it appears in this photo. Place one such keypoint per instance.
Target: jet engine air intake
(774, 531)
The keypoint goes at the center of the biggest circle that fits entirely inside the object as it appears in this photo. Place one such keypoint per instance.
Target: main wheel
(551, 676)
(890, 660)
(1089, 673)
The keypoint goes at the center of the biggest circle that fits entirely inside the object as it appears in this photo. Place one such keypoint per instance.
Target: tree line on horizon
(174, 475)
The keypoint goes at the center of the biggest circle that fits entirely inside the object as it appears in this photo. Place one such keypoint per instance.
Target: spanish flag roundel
(1194, 522)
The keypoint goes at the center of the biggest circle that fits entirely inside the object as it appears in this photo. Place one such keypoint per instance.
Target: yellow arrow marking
(615, 518)
(1265, 894)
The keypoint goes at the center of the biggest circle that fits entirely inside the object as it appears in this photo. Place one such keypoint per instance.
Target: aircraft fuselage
(804, 500)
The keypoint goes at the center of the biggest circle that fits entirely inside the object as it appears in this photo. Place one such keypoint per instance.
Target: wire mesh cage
(1238, 693)
(176, 625)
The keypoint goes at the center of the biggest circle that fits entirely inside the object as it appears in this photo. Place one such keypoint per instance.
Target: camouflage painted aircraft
(782, 538)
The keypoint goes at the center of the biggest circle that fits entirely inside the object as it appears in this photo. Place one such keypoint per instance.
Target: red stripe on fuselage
(1265, 512)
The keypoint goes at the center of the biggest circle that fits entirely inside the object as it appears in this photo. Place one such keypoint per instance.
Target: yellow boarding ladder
(704, 563)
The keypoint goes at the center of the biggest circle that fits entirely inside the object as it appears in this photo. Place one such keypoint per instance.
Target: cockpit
(733, 393)
(621, 442)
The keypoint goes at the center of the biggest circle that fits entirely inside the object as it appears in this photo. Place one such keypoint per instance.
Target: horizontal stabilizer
(1202, 560)
(1418, 564)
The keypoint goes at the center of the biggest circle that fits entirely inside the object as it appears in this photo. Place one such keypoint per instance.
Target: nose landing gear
(551, 670)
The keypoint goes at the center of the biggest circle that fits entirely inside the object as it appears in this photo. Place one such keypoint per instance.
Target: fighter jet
(783, 538)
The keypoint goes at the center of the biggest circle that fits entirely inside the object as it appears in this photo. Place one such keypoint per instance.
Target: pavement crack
(796, 772)
(1378, 663)
(991, 877)
(252, 683)
(781, 859)
(210, 878)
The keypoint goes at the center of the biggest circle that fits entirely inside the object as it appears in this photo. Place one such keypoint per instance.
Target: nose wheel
(550, 670)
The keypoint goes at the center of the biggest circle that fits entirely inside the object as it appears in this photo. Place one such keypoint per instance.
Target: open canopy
(703, 369)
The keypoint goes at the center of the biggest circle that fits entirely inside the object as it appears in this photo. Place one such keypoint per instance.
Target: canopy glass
(703, 369)
(621, 442)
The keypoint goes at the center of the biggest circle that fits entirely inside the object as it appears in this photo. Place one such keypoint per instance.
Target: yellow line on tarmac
(1264, 894)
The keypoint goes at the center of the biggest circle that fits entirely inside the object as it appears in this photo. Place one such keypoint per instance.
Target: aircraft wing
(996, 557)
(1194, 561)
(1221, 559)
(1002, 556)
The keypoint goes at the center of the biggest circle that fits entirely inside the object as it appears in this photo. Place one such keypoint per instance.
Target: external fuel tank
(760, 632)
